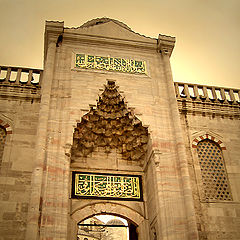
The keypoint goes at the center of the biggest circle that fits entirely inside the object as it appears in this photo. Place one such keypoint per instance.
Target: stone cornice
(52, 31)
(19, 82)
(103, 41)
(208, 108)
(103, 20)
(16, 91)
(207, 100)
(166, 44)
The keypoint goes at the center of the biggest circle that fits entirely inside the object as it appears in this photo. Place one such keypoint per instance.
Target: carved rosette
(110, 126)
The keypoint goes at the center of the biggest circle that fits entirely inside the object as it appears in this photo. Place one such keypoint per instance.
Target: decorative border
(7, 127)
(74, 195)
(208, 136)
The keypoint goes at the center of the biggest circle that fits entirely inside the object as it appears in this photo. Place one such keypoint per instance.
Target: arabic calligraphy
(110, 64)
(107, 186)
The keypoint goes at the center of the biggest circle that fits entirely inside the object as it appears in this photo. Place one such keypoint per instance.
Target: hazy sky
(207, 50)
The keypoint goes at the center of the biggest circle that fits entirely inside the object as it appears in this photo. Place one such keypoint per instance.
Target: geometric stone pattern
(213, 171)
(111, 126)
(2, 141)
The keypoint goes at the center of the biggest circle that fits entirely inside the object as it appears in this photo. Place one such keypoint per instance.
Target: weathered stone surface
(19, 107)
(52, 133)
(216, 219)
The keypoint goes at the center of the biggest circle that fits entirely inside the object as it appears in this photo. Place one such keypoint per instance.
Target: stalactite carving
(111, 125)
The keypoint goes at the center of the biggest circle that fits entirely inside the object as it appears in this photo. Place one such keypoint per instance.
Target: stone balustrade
(32, 77)
(205, 93)
(20, 76)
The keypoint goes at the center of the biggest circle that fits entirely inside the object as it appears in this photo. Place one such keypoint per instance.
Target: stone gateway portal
(104, 131)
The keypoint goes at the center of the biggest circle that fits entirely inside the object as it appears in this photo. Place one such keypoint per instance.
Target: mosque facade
(104, 129)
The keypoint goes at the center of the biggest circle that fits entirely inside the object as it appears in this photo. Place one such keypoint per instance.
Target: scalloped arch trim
(210, 137)
(7, 127)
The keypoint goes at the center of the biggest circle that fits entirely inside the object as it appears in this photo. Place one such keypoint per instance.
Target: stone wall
(19, 108)
(44, 141)
(218, 121)
(67, 92)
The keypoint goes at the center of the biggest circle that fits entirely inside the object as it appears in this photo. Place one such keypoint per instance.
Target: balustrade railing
(20, 76)
(207, 93)
(32, 77)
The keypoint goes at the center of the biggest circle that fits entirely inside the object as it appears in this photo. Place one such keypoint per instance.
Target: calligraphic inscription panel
(121, 187)
(85, 61)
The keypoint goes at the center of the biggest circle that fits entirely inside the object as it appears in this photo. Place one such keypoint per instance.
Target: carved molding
(111, 125)
(166, 44)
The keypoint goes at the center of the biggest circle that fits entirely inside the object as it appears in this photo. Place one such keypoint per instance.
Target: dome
(115, 222)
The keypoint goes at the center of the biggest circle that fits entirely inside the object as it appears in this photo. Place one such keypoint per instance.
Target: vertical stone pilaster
(162, 220)
(181, 157)
(35, 206)
(153, 208)
(54, 221)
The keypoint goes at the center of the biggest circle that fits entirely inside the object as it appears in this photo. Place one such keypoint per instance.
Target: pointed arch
(6, 125)
(111, 126)
(214, 176)
(5, 131)
(97, 208)
(208, 136)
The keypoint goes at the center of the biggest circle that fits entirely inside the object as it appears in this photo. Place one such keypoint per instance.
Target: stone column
(35, 206)
(181, 157)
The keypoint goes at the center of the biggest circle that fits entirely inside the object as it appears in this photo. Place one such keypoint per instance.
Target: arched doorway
(134, 221)
(106, 227)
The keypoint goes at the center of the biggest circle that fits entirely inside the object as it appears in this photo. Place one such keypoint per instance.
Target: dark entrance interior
(133, 232)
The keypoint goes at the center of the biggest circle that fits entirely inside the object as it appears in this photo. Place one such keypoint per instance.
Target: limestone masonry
(106, 106)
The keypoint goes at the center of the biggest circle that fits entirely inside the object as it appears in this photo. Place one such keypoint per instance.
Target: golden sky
(207, 50)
